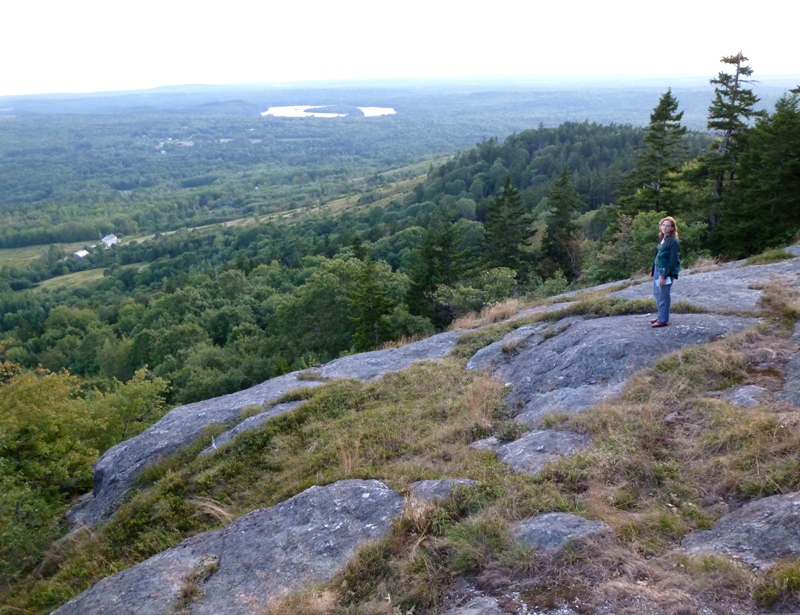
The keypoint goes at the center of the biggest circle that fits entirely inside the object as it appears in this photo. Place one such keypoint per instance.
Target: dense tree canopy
(764, 210)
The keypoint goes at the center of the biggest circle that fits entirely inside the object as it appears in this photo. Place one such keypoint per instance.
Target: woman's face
(667, 227)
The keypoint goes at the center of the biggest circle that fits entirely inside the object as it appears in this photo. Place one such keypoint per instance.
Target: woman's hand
(662, 281)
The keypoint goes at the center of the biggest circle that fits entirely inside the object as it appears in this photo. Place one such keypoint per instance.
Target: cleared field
(16, 257)
(78, 278)
(380, 197)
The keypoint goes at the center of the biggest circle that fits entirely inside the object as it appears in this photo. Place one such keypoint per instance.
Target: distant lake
(303, 111)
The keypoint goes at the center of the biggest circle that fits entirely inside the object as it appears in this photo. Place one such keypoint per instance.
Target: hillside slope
(670, 456)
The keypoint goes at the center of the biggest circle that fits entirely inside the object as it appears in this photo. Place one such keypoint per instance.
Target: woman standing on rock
(666, 267)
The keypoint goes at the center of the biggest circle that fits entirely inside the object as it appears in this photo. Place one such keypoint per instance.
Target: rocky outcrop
(532, 451)
(733, 287)
(249, 423)
(555, 530)
(573, 364)
(433, 490)
(238, 569)
(482, 605)
(116, 470)
(791, 387)
(486, 605)
(749, 395)
(758, 533)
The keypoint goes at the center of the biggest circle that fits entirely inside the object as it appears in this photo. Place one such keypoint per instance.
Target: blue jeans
(663, 299)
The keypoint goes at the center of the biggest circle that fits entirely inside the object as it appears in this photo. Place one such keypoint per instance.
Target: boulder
(556, 530)
(238, 569)
(532, 451)
(432, 490)
(758, 533)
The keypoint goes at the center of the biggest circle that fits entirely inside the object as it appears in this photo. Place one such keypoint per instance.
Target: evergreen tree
(358, 247)
(508, 230)
(436, 261)
(660, 157)
(729, 114)
(763, 210)
(560, 248)
(372, 304)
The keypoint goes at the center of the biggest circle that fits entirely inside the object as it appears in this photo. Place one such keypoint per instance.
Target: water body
(303, 111)
(376, 111)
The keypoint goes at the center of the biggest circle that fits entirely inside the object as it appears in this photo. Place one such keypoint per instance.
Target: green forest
(435, 228)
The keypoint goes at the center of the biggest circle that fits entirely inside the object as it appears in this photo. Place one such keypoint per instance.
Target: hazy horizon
(787, 81)
(91, 46)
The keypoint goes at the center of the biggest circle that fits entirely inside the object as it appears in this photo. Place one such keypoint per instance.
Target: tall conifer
(560, 244)
(729, 114)
(436, 261)
(371, 302)
(508, 230)
(661, 155)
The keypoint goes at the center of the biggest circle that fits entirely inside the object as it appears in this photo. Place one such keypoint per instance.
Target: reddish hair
(674, 227)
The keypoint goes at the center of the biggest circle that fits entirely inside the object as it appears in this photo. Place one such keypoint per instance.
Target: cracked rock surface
(758, 533)
(241, 567)
(572, 365)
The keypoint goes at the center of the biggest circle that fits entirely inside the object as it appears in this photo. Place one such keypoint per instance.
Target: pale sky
(103, 45)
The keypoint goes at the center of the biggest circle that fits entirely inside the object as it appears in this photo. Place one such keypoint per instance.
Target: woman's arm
(674, 257)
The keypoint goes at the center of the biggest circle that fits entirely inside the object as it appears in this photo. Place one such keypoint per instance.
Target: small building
(110, 240)
(81, 254)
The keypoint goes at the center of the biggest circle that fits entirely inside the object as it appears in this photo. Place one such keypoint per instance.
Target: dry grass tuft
(488, 316)
(403, 341)
(349, 455)
(419, 513)
(781, 300)
(310, 602)
(212, 508)
(703, 264)
(501, 311)
(465, 323)
(481, 400)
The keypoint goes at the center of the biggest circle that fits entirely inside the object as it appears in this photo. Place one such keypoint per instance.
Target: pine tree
(729, 114)
(661, 156)
(560, 248)
(436, 261)
(372, 303)
(508, 230)
(358, 247)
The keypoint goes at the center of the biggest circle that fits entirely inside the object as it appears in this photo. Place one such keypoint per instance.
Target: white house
(110, 240)
(81, 254)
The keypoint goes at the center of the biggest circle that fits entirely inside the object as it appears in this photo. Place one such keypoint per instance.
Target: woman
(666, 266)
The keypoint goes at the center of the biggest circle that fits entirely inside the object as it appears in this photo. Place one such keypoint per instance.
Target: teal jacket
(667, 263)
